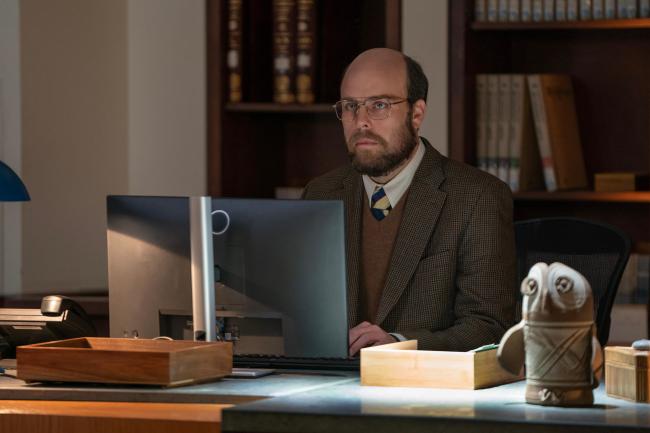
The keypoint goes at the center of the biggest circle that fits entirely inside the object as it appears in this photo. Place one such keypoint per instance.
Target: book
(621, 9)
(549, 10)
(598, 9)
(572, 10)
(560, 10)
(503, 10)
(620, 181)
(525, 163)
(631, 7)
(644, 8)
(234, 55)
(556, 127)
(503, 140)
(585, 10)
(283, 50)
(492, 125)
(305, 51)
(526, 10)
(513, 11)
(492, 10)
(537, 10)
(481, 121)
(610, 9)
(480, 14)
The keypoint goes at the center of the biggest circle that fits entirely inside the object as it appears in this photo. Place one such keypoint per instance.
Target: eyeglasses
(377, 108)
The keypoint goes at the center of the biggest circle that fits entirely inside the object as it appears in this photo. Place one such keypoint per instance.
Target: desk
(350, 408)
(302, 403)
(41, 416)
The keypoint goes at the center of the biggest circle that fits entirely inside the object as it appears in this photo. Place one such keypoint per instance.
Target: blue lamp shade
(11, 187)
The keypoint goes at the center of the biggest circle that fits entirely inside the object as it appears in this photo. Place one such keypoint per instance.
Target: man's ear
(417, 113)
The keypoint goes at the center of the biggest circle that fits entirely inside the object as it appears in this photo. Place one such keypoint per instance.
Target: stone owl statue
(556, 338)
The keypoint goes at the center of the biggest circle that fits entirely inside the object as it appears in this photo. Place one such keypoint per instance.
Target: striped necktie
(379, 204)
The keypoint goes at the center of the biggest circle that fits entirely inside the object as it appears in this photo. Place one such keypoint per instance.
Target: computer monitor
(280, 266)
(159, 256)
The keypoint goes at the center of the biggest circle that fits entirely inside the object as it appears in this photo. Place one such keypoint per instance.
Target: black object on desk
(58, 318)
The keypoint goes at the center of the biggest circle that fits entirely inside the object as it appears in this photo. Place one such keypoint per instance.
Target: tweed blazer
(451, 278)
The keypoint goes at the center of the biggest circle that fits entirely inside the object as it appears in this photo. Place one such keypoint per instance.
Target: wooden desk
(41, 416)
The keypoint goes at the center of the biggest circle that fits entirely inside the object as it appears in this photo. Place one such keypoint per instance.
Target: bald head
(389, 65)
(379, 71)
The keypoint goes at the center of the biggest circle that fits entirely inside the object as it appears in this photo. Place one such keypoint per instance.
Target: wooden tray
(124, 360)
(401, 364)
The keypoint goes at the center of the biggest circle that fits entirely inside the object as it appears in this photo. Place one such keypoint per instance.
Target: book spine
(610, 9)
(598, 10)
(505, 116)
(572, 10)
(585, 10)
(503, 10)
(538, 10)
(283, 59)
(492, 10)
(481, 121)
(480, 14)
(549, 10)
(621, 9)
(305, 51)
(513, 11)
(517, 89)
(644, 8)
(234, 55)
(541, 129)
(526, 10)
(492, 128)
(560, 10)
(632, 9)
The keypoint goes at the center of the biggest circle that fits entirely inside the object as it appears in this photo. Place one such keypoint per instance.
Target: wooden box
(401, 364)
(626, 373)
(123, 360)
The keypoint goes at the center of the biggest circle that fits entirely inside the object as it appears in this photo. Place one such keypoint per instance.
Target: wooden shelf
(639, 23)
(585, 196)
(271, 107)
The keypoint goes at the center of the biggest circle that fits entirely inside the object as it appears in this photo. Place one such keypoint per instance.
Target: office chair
(598, 251)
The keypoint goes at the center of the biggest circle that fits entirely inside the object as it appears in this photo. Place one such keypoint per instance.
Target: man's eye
(350, 106)
(380, 105)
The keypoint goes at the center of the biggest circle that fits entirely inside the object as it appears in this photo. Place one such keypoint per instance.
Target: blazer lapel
(352, 198)
(421, 211)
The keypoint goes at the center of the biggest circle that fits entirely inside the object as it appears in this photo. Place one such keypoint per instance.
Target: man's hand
(366, 334)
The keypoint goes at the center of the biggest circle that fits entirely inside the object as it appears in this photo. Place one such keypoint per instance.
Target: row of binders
(527, 131)
(559, 10)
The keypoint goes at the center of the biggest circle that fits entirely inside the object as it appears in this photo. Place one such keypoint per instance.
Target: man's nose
(361, 118)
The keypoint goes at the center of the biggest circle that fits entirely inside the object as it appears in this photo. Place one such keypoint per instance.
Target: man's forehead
(364, 83)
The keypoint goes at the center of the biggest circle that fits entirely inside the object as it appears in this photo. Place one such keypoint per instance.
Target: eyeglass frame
(364, 102)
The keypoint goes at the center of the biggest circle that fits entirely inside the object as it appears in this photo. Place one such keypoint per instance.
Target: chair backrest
(598, 251)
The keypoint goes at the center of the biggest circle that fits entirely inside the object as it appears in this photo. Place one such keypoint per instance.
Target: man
(430, 242)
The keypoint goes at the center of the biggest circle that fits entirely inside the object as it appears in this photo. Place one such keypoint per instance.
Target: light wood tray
(401, 364)
(125, 361)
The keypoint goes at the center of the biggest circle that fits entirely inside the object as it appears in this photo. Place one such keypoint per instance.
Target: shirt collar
(397, 186)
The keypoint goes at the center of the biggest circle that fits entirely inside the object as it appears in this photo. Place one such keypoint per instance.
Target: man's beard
(384, 163)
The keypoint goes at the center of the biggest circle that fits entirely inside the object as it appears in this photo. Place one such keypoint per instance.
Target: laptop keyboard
(279, 361)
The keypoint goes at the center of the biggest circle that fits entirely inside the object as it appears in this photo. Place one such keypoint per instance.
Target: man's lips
(366, 142)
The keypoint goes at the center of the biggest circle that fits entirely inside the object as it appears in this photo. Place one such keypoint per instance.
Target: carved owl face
(556, 292)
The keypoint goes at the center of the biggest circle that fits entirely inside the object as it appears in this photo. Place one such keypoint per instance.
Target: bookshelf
(609, 63)
(257, 145)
